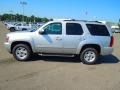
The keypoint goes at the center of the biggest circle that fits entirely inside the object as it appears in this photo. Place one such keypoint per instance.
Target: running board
(58, 55)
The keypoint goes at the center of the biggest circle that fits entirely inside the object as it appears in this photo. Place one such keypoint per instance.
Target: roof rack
(95, 21)
(76, 20)
(84, 21)
(62, 19)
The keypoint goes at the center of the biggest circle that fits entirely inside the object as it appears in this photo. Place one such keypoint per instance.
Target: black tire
(90, 58)
(25, 54)
(24, 29)
(12, 29)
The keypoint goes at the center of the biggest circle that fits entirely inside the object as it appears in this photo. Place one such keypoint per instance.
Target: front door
(50, 41)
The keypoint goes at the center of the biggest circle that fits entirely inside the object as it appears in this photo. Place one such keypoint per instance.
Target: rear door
(72, 37)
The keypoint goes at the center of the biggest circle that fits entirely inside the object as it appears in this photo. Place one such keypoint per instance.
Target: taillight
(111, 41)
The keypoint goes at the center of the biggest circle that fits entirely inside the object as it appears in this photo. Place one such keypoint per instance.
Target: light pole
(23, 5)
(11, 12)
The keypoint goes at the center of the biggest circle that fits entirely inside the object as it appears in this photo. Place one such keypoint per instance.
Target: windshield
(32, 30)
(35, 27)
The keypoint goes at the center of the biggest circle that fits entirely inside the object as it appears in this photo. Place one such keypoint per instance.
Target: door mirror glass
(41, 31)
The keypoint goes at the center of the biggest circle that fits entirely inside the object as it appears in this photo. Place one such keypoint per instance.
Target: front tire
(22, 52)
(12, 29)
(89, 56)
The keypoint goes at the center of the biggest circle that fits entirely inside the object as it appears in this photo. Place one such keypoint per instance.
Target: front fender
(25, 39)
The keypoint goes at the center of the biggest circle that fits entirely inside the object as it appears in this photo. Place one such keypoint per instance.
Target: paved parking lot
(58, 73)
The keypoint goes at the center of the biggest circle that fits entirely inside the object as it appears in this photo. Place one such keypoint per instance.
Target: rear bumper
(106, 50)
(8, 46)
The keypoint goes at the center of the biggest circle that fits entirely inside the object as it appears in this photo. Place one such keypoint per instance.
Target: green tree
(45, 20)
(37, 19)
(0, 17)
(119, 23)
(19, 17)
(32, 18)
(5, 17)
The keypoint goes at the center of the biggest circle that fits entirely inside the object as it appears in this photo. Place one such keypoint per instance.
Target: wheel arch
(20, 42)
(95, 46)
(12, 27)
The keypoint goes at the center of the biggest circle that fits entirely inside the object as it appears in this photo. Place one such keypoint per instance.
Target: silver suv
(86, 39)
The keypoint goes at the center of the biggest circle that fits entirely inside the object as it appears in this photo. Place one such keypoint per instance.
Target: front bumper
(106, 50)
(8, 46)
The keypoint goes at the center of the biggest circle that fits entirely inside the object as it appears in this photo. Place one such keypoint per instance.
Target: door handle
(58, 38)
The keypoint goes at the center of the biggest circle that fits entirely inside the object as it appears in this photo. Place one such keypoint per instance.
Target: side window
(99, 30)
(74, 29)
(24, 24)
(53, 28)
(18, 25)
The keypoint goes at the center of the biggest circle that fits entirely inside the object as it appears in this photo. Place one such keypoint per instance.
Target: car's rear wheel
(24, 29)
(22, 52)
(12, 29)
(89, 56)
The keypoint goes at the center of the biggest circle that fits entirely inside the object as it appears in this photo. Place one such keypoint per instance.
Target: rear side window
(74, 29)
(19, 25)
(98, 30)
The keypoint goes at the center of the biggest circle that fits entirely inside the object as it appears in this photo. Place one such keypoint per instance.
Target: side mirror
(41, 31)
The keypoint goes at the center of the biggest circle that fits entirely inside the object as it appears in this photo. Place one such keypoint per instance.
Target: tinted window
(18, 25)
(54, 28)
(99, 30)
(25, 24)
(74, 29)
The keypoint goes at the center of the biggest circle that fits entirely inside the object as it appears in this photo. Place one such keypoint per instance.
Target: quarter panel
(88, 41)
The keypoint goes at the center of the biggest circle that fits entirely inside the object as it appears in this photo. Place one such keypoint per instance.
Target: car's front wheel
(22, 52)
(89, 56)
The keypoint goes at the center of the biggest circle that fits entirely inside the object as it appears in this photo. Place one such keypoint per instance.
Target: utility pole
(11, 12)
(23, 3)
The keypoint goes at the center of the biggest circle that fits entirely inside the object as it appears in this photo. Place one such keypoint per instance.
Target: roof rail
(83, 21)
(62, 19)
(68, 20)
(75, 20)
(95, 21)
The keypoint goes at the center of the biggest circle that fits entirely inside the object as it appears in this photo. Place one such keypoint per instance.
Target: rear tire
(12, 29)
(22, 52)
(24, 29)
(89, 56)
